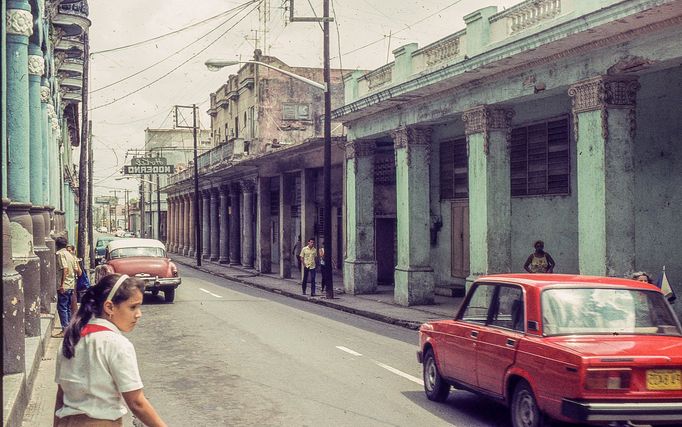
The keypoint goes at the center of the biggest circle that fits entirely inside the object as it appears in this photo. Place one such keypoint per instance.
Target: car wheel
(435, 386)
(524, 409)
(155, 292)
(169, 295)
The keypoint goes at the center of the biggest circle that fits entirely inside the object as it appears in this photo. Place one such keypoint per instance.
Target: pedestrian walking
(308, 257)
(539, 261)
(320, 254)
(79, 272)
(67, 268)
(96, 371)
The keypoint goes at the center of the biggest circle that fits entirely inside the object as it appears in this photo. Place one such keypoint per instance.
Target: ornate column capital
(36, 65)
(408, 137)
(19, 22)
(484, 118)
(45, 95)
(248, 186)
(360, 148)
(602, 93)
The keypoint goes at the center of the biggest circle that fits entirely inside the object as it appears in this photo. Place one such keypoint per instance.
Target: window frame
(494, 302)
(455, 141)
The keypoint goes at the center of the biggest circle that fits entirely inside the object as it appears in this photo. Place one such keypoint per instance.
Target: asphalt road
(225, 354)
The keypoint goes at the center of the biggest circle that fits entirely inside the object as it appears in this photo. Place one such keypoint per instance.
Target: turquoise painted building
(42, 78)
(553, 120)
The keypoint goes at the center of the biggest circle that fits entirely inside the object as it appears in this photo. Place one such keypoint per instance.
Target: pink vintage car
(145, 259)
(579, 349)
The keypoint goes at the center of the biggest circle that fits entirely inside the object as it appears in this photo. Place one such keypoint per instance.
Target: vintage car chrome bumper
(621, 411)
(168, 281)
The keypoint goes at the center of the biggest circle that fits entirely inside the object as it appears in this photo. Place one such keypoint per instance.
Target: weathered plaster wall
(658, 176)
(553, 219)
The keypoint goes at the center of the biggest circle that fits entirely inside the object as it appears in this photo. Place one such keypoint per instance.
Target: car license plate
(664, 379)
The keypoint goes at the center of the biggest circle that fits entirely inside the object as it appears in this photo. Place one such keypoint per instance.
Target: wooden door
(460, 239)
(385, 246)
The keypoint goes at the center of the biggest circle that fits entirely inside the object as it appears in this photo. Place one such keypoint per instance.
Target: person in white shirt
(96, 370)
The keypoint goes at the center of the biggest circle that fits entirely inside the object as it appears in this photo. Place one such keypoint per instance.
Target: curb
(409, 324)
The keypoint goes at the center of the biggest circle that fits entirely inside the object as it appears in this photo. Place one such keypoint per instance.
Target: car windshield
(103, 242)
(607, 311)
(139, 251)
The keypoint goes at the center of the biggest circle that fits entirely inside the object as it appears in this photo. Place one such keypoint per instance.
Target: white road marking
(401, 373)
(210, 293)
(348, 350)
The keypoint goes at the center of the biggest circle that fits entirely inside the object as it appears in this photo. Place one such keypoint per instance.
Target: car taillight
(608, 379)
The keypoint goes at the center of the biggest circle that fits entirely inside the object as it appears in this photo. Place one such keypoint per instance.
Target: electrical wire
(402, 29)
(177, 67)
(172, 54)
(172, 32)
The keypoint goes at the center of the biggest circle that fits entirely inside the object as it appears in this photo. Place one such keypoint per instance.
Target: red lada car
(578, 349)
(145, 259)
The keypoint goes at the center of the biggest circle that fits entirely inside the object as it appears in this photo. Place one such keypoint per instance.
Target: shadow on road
(464, 408)
(151, 299)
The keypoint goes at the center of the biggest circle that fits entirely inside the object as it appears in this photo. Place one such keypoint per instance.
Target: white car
(103, 230)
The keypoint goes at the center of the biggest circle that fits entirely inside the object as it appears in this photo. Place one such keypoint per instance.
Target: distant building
(261, 186)
(554, 120)
(176, 145)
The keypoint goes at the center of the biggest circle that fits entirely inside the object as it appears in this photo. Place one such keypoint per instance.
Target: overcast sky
(363, 26)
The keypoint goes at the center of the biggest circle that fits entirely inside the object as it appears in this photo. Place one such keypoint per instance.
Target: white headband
(113, 290)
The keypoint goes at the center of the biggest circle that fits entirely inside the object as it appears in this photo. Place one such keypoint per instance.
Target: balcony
(72, 17)
(71, 66)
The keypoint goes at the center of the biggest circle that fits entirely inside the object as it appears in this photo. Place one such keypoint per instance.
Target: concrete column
(215, 225)
(191, 231)
(308, 208)
(360, 266)
(414, 282)
(286, 199)
(224, 257)
(263, 231)
(185, 226)
(19, 26)
(180, 226)
(48, 290)
(13, 343)
(36, 69)
(235, 232)
(206, 229)
(248, 245)
(604, 126)
(170, 200)
(488, 129)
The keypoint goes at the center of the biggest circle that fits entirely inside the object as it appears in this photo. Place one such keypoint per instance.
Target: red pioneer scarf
(91, 327)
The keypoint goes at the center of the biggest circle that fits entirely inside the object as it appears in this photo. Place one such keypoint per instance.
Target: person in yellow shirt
(308, 257)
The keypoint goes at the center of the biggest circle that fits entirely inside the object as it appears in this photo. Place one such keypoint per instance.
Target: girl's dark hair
(92, 304)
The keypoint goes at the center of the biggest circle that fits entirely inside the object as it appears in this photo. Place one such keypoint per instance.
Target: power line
(238, 9)
(403, 29)
(170, 33)
(174, 69)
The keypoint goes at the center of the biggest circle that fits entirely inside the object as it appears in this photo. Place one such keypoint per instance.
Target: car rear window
(568, 311)
(136, 252)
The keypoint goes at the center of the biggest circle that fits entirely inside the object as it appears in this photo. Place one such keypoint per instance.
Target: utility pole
(115, 206)
(91, 252)
(142, 221)
(197, 222)
(127, 209)
(158, 207)
(327, 277)
(81, 245)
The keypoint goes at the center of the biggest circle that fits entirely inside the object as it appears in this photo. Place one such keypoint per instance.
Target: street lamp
(217, 64)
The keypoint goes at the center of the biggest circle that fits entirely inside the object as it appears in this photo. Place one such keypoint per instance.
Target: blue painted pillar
(48, 283)
(36, 69)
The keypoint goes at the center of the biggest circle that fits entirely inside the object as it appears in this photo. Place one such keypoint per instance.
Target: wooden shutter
(447, 170)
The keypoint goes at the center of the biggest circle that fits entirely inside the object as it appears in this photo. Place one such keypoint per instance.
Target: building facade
(552, 120)
(261, 186)
(42, 79)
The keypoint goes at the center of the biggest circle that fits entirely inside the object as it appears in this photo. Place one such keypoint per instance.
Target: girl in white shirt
(97, 373)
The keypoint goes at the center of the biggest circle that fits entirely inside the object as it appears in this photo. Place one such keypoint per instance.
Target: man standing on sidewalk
(308, 257)
(67, 268)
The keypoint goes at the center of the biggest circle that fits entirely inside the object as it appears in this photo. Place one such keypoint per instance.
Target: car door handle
(474, 334)
(510, 342)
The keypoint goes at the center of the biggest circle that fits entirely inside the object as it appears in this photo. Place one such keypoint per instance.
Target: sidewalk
(378, 306)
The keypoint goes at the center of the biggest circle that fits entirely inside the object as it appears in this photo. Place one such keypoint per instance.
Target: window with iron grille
(540, 158)
(384, 168)
(454, 169)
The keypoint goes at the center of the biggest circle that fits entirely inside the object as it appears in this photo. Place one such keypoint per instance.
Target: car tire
(169, 295)
(435, 386)
(524, 408)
